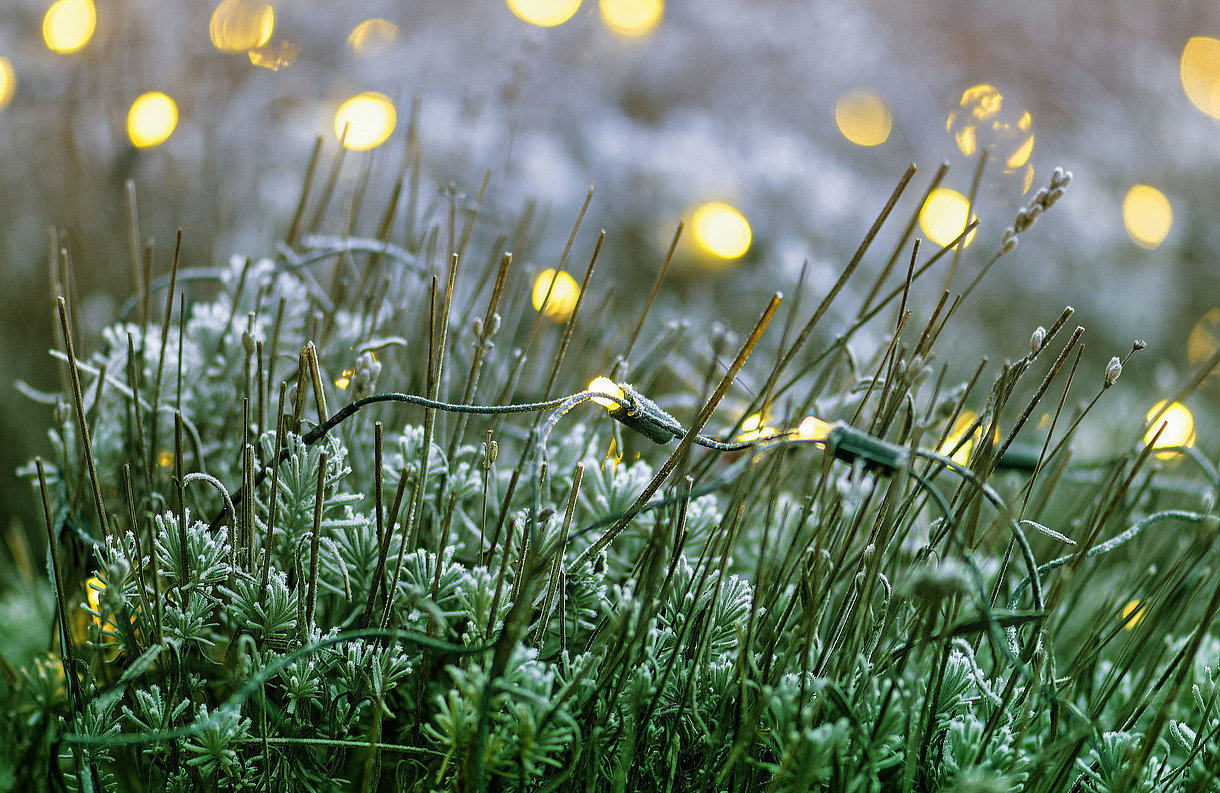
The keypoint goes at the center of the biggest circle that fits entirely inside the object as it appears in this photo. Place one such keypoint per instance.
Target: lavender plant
(352, 520)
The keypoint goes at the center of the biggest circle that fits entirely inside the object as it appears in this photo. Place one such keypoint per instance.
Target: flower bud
(1113, 369)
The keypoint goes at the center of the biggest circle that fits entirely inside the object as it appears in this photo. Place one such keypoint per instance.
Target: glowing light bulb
(1132, 613)
(344, 379)
(69, 24)
(813, 428)
(632, 17)
(372, 36)
(863, 117)
(165, 458)
(755, 428)
(1179, 428)
(563, 295)
(369, 118)
(8, 82)
(721, 230)
(1200, 70)
(1148, 215)
(151, 119)
(604, 385)
(944, 216)
(544, 13)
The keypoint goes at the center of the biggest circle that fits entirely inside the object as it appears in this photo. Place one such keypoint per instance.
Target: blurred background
(775, 128)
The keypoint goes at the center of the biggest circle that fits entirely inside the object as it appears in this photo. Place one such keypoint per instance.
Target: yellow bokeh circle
(721, 230)
(240, 25)
(369, 120)
(632, 17)
(151, 119)
(863, 117)
(563, 294)
(1179, 427)
(544, 13)
(1148, 215)
(1200, 71)
(69, 24)
(8, 81)
(944, 216)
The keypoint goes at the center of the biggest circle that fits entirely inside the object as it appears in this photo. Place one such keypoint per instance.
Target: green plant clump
(372, 536)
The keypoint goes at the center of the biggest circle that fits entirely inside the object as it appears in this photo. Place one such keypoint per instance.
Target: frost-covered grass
(353, 521)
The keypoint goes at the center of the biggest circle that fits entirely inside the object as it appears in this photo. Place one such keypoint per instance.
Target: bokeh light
(956, 435)
(1179, 428)
(69, 24)
(863, 117)
(372, 36)
(604, 385)
(563, 295)
(632, 17)
(1200, 69)
(8, 81)
(1132, 613)
(544, 13)
(369, 118)
(944, 216)
(982, 119)
(240, 25)
(1204, 338)
(721, 230)
(151, 119)
(1148, 215)
(755, 428)
(274, 55)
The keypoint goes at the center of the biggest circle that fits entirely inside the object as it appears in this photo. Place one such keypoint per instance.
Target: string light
(372, 36)
(632, 17)
(863, 117)
(1179, 428)
(8, 81)
(1148, 215)
(544, 13)
(944, 216)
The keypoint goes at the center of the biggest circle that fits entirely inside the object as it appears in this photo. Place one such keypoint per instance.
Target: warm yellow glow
(721, 230)
(983, 120)
(863, 117)
(964, 420)
(152, 119)
(813, 428)
(558, 307)
(754, 428)
(372, 36)
(1132, 614)
(8, 81)
(632, 17)
(93, 591)
(1179, 428)
(240, 25)
(69, 24)
(1204, 338)
(1147, 215)
(944, 215)
(369, 119)
(165, 458)
(345, 379)
(544, 13)
(1200, 69)
(274, 55)
(604, 385)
